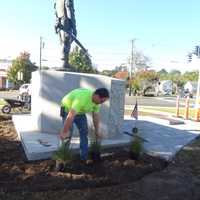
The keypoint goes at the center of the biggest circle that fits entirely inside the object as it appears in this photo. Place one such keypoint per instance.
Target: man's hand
(67, 124)
(64, 135)
(96, 120)
(64, 139)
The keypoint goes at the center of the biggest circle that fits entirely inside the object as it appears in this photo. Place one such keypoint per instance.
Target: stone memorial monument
(39, 131)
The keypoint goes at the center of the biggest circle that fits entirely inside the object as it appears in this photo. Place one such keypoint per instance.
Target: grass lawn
(169, 110)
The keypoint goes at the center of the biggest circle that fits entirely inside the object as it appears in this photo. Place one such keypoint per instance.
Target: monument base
(164, 140)
(41, 145)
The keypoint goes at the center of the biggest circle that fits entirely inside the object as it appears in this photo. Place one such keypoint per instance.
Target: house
(4, 66)
(191, 87)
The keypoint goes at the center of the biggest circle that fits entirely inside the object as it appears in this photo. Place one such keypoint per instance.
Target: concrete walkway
(164, 138)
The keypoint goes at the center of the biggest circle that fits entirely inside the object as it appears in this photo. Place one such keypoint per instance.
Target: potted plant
(62, 156)
(95, 150)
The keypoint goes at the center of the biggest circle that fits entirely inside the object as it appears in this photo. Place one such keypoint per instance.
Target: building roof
(121, 75)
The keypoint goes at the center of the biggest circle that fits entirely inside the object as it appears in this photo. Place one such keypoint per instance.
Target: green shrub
(137, 146)
(63, 154)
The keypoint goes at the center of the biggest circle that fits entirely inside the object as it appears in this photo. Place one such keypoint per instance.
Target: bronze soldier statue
(66, 28)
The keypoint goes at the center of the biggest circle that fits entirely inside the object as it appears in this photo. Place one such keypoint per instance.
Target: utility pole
(41, 47)
(197, 103)
(131, 68)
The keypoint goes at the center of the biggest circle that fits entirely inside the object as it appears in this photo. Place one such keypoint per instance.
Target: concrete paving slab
(41, 145)
(164, 140)
(33, 148)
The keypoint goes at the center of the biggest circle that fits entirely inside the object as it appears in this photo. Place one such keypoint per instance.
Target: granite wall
(48, 88)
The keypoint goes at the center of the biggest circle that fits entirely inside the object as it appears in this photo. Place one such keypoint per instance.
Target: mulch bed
(17, 174)
(116, 177)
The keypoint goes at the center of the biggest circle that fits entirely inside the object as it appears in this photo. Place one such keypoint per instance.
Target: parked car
(25, 89)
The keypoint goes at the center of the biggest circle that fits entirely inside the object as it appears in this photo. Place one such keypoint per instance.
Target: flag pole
(136, 118)
(134, 114)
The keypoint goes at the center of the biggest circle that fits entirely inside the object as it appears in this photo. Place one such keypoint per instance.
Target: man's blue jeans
(81, 123)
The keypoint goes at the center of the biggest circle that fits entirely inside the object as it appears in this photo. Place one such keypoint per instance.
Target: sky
(165, 31)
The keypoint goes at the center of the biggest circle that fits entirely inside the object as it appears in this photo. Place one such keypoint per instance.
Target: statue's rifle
(73, 37)
(79, 44)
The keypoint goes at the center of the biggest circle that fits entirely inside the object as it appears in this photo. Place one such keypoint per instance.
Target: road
(9, 94)
(156, 101)
(129, 100)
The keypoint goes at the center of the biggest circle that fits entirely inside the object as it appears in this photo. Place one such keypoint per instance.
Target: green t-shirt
(80, 100)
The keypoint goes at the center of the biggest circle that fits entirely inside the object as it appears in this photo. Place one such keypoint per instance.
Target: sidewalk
(164, 138)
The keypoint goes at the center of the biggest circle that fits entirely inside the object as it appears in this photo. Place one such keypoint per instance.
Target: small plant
(62, 156)
(95, 150)
(136, 147)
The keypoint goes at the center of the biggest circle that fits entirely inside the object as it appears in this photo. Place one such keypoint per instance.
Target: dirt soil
(115, 177)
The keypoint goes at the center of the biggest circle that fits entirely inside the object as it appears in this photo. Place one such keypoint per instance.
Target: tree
(108, 72)
(163, 74)
(135, 85)
(191, 76)
(140, 61)
(80, 61)
(23, 67)
(174, 73)
(45, 68)
(176, 77)
(144, 80)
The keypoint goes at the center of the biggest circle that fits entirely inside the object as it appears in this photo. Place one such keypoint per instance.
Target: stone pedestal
(48, 88)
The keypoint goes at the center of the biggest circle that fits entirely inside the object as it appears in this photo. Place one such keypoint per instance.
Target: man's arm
(67, 124)
(96, 120)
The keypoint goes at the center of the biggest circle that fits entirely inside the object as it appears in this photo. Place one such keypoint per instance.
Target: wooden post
(177, 106)
(197, 104)
(186, 107)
